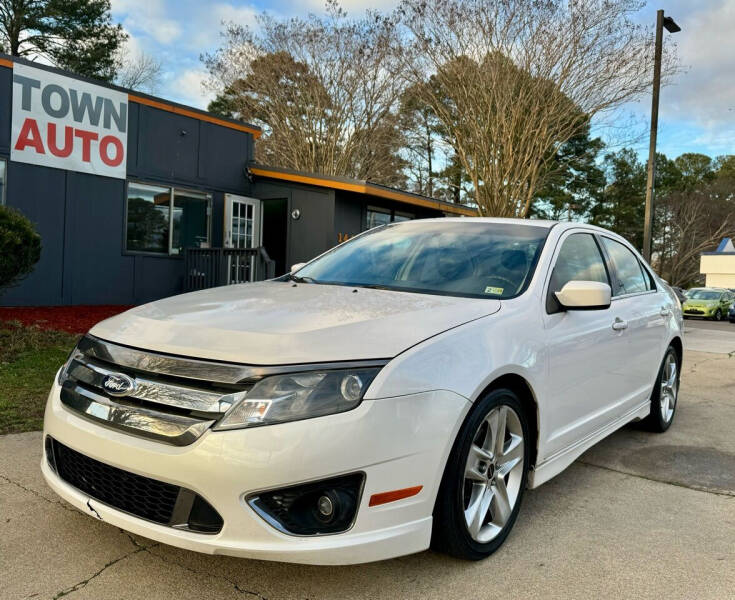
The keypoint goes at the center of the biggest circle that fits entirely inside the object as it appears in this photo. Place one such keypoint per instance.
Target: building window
(163, 220)
(377, 216)
(3, 168)
(190, 221)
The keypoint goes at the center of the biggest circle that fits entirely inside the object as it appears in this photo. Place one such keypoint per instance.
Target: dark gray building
(121, 185)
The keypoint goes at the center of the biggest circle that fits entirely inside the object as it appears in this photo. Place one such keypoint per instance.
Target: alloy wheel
(493, 473)
(669, 387)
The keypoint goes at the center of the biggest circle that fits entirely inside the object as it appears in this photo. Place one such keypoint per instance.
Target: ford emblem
(117, 384)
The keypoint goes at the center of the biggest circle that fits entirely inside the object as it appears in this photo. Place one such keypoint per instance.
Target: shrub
(20, 247)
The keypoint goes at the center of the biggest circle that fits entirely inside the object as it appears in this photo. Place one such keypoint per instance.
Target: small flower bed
(72, 319)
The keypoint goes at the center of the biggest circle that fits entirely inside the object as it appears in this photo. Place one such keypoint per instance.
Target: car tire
(665, 396)
(718, 315)
(494, 491)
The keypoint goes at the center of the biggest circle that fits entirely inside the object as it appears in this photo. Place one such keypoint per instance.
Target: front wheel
(484, 480)
(718, 315)
(665, 393)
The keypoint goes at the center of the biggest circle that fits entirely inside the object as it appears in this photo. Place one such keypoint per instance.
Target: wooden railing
(211, 267)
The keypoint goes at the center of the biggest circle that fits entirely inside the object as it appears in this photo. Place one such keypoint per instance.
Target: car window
(468, 258)
(579, 259)
(647, 277)
(629, 271)
(703, 295)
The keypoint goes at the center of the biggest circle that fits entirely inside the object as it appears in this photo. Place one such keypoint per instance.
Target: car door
(586, 349)
(725, 303)
(645, 311)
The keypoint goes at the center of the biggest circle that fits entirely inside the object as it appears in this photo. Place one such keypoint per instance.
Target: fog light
(327, 506)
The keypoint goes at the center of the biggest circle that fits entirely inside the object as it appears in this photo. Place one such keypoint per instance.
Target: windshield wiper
(297, 279)
(375, 286)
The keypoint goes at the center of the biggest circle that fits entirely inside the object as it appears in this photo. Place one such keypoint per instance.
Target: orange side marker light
(385, 497)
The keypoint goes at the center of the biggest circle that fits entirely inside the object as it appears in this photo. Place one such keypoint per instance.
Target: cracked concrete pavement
(639, 515)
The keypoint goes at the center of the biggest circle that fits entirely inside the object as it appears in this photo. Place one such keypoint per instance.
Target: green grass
(29, 359)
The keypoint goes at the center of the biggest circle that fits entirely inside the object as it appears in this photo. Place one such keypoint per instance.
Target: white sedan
(398, 392)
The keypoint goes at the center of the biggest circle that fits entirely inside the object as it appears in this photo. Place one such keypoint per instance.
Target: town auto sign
(68, 124)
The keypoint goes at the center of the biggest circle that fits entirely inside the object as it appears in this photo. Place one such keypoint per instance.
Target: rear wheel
(665, 393)
(484, 480)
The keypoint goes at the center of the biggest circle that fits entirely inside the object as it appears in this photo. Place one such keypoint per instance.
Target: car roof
(546, 224)
(498, 220)
(561, 226)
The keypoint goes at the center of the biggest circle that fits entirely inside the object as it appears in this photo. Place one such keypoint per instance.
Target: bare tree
(690, 222)
(514, 80)
(138, 71)
(325, 90)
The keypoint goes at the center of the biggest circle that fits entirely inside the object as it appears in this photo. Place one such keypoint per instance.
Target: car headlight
(297, 396)
(75, 353)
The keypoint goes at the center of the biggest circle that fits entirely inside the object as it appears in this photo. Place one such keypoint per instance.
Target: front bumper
(397, 442)
(699, 311)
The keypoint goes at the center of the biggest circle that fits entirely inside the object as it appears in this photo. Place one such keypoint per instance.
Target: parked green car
(709, 303)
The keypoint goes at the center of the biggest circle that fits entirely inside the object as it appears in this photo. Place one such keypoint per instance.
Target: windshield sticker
(494, 290)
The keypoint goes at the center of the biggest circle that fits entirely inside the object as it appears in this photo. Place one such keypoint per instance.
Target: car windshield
(459, 258)
(703, 295)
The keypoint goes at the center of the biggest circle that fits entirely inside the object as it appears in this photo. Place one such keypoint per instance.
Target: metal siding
(95, 270)
(157, 277)
(168, 145)
(217, 221)
(6, 84)
(348, 215)
(133, 125)
(224, 153)
(38, 192)
(313, 233)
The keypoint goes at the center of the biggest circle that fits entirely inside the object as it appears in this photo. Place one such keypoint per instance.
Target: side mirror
(584, 295)
(296, 267)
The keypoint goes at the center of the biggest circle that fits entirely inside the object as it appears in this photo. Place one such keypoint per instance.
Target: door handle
(665, 312)
(619, 324)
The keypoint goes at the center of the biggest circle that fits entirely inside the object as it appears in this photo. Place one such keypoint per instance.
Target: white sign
(68, 124)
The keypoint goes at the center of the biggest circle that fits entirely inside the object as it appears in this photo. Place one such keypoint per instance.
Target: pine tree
(77, 35)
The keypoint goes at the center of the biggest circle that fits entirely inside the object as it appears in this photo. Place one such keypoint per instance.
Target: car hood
(276, 323)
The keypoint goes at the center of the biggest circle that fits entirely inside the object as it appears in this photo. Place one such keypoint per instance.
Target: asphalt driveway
(638, 516)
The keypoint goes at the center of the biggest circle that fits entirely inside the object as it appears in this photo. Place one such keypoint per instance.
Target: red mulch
(73, 319)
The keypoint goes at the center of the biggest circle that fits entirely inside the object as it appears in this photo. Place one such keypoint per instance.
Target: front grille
(140, 496)
(167, 407)
(693, 311)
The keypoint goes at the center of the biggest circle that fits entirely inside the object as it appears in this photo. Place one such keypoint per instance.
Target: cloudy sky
(697, 110)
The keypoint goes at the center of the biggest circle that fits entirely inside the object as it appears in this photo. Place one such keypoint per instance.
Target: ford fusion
(400, 391)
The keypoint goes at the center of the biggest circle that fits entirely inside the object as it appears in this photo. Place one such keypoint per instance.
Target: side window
(650, 284)
(627, 267)
(579, 259)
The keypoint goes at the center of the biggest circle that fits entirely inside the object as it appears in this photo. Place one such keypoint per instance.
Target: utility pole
(671, 27)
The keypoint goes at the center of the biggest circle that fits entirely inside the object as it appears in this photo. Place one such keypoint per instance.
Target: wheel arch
(520, 386)
(679, 347)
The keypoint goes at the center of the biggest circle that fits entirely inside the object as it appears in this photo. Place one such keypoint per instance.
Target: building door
(243, 230)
